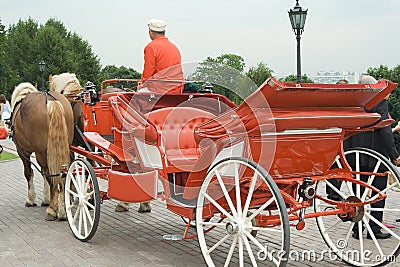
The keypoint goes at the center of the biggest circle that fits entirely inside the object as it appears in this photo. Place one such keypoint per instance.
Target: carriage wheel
(360, 247)
(82, 199)
(240, 191)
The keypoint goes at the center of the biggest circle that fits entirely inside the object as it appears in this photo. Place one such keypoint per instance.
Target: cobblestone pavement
(122, 239)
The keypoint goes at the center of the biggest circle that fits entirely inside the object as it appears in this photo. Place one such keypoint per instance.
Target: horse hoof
(28, 204)
(121, 208)
(50, 217)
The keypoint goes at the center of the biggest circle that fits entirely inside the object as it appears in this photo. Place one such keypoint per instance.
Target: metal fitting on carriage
(64, 171)
(206, 88)
(306, 189)
(151, 97)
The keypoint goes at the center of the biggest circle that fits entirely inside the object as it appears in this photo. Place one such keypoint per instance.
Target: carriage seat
(175, 127)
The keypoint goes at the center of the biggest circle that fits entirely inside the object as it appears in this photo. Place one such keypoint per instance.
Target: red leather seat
(175, 126)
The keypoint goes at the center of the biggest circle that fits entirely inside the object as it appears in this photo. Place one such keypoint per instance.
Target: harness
(20, 151)
(79, 134)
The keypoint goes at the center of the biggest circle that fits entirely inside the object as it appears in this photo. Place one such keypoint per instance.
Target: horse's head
(66, 84)
(20, 92)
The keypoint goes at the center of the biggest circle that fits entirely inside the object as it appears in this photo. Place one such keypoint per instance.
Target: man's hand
(397, 161)
(397, 128)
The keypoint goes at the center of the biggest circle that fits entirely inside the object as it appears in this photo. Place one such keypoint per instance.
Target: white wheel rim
(242, 248)
(338, 234)
(81, 214)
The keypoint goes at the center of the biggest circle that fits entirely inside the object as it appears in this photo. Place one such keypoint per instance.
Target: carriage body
(293, 131)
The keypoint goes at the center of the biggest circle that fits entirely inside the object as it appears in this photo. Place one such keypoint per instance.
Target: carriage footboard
(129, 187)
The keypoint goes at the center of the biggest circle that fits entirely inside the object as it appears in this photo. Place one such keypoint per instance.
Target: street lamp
(297, 17)
(42, 67)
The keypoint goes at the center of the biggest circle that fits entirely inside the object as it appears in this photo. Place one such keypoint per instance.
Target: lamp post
(297, 17)
(42, 67)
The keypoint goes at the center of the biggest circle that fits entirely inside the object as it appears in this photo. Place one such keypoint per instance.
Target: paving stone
(122, 239)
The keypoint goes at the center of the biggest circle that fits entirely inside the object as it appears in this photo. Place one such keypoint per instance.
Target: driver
(162, 62)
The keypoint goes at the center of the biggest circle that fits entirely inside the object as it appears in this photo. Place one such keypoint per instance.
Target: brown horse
(43, 124)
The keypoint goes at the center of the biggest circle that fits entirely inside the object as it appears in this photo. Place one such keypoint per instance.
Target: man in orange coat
(162, 72)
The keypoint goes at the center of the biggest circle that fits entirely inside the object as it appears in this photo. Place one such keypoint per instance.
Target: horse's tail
(57, 142)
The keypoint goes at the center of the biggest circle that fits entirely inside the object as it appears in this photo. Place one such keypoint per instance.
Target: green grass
(7, 156)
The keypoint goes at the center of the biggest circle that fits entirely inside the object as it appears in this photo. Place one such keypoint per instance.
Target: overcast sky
(340, 35)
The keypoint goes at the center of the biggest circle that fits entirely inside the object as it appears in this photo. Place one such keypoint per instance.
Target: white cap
(157, 25)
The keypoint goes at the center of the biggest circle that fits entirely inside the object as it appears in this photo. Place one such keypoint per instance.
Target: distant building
(334, 76)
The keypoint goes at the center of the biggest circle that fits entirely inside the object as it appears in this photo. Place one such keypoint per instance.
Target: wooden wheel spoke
(262, 248)
(258, 211)
(231, 250)
(249, 251)
(222, 240)
(72, 192)
(225, 192)
(237, 190)
(221, 209)
(250, 193)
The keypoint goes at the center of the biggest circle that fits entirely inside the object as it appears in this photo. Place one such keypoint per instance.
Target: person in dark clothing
(382, 141)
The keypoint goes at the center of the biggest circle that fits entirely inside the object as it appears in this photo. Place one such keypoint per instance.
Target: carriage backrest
(147, 102)
(176, 128)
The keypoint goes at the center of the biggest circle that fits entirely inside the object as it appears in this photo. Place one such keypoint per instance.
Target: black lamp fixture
(42, 68)
(297, 17)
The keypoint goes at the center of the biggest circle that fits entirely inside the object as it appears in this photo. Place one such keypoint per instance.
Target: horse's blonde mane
(66, 84)
(20, 92)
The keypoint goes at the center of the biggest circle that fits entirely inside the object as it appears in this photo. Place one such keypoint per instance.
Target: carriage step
(190, 203)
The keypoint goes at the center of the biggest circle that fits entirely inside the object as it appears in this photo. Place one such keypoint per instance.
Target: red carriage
(242, 174)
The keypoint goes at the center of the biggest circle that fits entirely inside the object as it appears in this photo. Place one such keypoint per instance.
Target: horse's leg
(51, 211)
(122, 207)
(62, 215)
(145, 207)
(46, 193)
(28, 172)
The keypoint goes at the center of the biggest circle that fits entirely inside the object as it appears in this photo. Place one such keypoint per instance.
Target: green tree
(383, 72)
(22, 52)
(260, 73)
(293, 78)
(4, 67)
(86, 63)
(113, 72)
(394, 99)
(27, 43)
(231, 60)
(226, 73)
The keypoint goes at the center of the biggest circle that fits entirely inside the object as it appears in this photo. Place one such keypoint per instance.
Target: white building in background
(334, 76)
